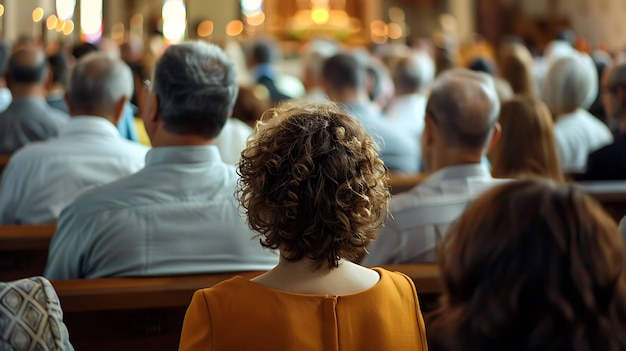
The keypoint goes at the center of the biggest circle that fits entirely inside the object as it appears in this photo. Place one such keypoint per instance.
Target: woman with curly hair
(314, 188)
(532, 265)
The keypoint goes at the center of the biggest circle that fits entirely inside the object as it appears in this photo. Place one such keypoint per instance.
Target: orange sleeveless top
(241, 315)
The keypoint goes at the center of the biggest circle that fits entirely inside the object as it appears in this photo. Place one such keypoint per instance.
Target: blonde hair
(527, 144)
(515, 66)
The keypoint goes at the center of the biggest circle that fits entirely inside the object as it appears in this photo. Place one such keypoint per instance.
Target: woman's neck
(302, 277)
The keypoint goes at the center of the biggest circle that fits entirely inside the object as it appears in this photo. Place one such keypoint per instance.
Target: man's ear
(7, 81)
(495, 136)
(118, 109)
(427, 134)
(150, 115)
(49, 80)
(66, 98)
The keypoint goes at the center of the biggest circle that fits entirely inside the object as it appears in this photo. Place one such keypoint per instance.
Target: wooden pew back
(611, 194)
(147, 313)
(24, 250)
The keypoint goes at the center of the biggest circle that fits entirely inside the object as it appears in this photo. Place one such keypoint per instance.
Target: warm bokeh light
(174, 20)
(136, 20)
(394, 31)
(396, 14)
(320, 15)
(205, 28)
(69, 27)
(379, 39)
(51, 22)
(38, 14)
(1, 10)
(60, 25)
(256, 20)
(65, 9)
(234, 28)
(117, 33)
(378, 28)
(91, 20)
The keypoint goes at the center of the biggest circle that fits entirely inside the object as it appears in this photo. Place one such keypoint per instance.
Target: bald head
(413, 72)
(98, 84)
(464, 107)
(27, 65)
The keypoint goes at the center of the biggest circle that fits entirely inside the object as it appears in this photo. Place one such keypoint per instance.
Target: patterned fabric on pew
(31, 317)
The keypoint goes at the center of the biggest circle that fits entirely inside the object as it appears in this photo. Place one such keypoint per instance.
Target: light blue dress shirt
(44, 177)
(399, 152)
(29, 119)
(420, 217)
(178, 215)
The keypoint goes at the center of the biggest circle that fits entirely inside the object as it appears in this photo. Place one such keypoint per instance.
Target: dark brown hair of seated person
(313, 184)
(531, 265)
(516, 65)
(526, 145)
(251, 103)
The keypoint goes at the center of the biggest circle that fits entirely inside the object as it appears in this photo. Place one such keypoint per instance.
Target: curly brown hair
(532, 265)
(312, 184)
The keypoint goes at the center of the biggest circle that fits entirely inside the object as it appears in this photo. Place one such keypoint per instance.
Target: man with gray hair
(44, 177)
(177, 215)
(609, 162)
(344, 82)
(460, 127)
(411, 75)
(28, 117)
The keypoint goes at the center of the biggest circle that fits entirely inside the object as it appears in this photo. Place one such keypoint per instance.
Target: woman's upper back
(239, 314)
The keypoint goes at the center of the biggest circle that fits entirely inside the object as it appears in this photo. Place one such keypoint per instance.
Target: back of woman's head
(313, 185)
(526, 145)
(532, 265)
(516, 64)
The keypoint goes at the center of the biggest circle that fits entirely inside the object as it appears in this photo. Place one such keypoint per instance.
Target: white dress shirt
(578, 134)
(406, 114)
(178, 215)
(232, 140)
(44, 177)
(420, 217)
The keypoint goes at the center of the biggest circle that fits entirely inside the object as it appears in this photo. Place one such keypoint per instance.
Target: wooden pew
(24, 250)
(611, 194)
(147, 313)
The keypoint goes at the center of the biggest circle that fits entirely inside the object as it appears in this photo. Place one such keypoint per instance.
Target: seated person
(527, 145)
(178, 214)
(313, 186)
(23, 300)
(343, 78)
(29, 117)
(570, 87)
(609, 162)
(531, 265)
(461, 125)
(44, 177)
